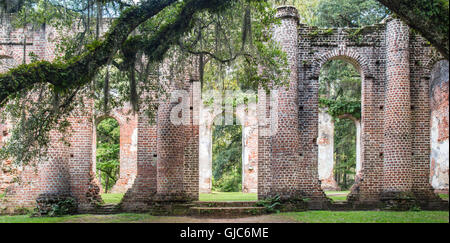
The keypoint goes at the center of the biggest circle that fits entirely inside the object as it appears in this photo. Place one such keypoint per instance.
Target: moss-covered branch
(80, 70)
(428, 17)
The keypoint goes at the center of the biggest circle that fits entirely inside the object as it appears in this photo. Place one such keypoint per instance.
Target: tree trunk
(106, 184)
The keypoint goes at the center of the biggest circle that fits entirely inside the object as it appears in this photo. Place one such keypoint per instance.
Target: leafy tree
(221, 32)
(428, 17)
(108, 149)
(345, 152)
(338, 13)
(340, 92)
(227, 158)
(197, 27)
(349, 13)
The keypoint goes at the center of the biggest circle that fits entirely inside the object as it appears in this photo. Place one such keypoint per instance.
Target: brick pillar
(192, 145)
(144, 186)
(54, 176)
(264, 175)
(397, 168)
(84, 186)
(54, 179)
(170, 147)
(285, 143)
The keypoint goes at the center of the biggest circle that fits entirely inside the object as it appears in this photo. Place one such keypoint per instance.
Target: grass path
(228, 197)
(112, 198)
(337, 195)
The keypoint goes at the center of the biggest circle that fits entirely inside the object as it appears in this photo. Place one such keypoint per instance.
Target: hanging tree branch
(428, 17)
(81, 69)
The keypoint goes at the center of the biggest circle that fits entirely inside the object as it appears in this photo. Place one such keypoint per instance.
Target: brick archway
(345, 54)
(360, 64)
(128, 146)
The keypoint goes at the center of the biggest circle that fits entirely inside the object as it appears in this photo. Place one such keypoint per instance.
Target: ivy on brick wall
(337, 108)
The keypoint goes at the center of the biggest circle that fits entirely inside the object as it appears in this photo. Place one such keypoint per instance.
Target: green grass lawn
(337, 195)
(28, 219)
(228, 197)
(337, 192)
(82, 218)
(112, 198)
(300, 217)
(443, 196)
(369, 217)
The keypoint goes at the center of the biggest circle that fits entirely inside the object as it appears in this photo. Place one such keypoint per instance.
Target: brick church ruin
(402, 140)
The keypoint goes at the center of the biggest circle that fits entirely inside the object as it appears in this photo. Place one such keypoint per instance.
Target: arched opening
(108, 158)
(339, 143)
(229, 174)
(439, 133)
(228, 137)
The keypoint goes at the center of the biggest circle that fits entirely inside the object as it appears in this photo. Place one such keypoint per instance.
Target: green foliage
(235, 34)
(338, 13)
(56, 207)
(368, 217)
(64, 207)
(271, 204)
(339, 78)
(227, 158)
(344, 152)
(340, 94)
(342, 107)
(230, 181)
(112, 198)
(108, 148)
(235, 44)
(349, 13)
(429, 17)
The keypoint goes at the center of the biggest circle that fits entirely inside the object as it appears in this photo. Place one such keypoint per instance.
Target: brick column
(84, 187)
(397, 168)
(170, 147)
(192, 145)
(285, 143)
(144, 186)
(54, 175)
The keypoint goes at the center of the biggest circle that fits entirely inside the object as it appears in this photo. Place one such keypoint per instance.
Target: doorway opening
(108, 158)
(339, 127)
